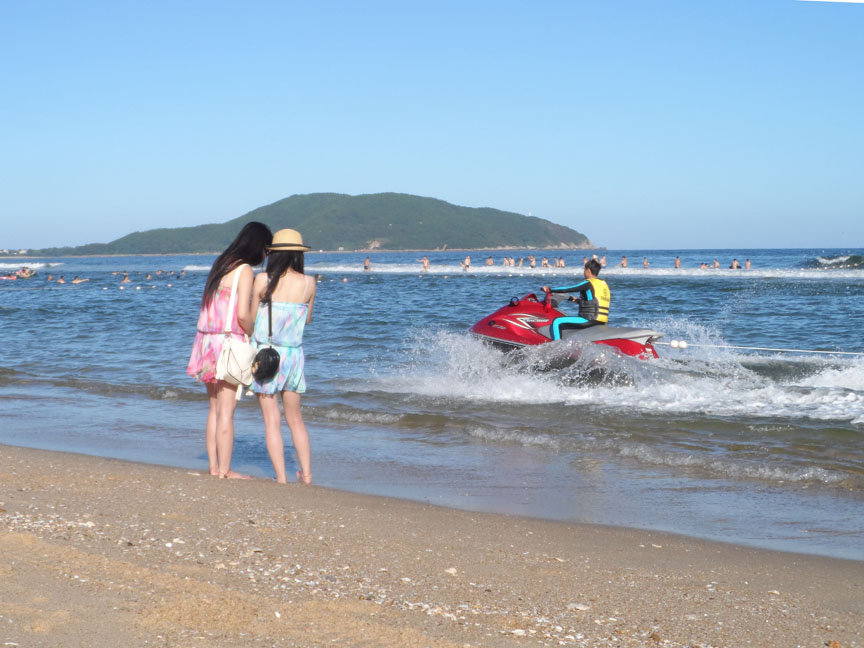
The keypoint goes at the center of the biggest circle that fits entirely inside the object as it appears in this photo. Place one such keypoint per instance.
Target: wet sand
(100, 552)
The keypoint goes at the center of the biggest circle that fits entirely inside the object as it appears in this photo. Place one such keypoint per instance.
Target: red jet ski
(527, 322)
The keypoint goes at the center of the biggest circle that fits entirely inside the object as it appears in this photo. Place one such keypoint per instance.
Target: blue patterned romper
(289, 321)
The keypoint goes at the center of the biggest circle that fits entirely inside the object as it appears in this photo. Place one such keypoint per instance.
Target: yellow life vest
(602, 297)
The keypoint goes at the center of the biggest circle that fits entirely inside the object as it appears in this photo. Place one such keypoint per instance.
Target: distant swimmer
(562, 262)
(703, 266)
(734, 265)
(367, 265)
(466, 264)
(521, 261)
(645, 262)
(425, 263)
(623, 263)
(603, 261)
(126, 278)
(532, 263)
(76, 280)
(489, 261)
(716, 264)
(677, 262)
(50, 277)
(544, 262)
(61, 279)
(747, 264)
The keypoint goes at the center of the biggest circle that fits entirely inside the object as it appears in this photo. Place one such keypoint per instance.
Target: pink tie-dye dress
(211, 333)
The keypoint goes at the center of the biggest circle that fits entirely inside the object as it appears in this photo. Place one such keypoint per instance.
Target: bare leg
(273, 434)
(225, 402)
(299, 435)
(210, 433)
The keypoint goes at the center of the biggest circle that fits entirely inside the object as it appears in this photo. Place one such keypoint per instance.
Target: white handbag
(234, 364)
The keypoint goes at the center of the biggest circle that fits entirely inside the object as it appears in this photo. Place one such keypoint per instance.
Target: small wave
(839, 262)
(29, 264)
(738, 469)
(355, 416)
(518, 437)
(197, 268)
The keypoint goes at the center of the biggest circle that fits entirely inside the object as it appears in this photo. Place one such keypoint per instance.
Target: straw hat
(287, 239)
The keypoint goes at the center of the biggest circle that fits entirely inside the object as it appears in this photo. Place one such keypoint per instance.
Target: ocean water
(762, 448)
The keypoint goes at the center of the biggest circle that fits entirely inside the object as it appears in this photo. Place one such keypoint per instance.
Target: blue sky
(665, 124)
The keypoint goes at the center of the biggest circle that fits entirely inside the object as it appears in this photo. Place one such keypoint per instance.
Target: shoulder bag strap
(233, 299)
(270, 321)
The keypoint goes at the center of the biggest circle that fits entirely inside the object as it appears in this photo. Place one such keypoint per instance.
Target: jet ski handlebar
(547, 299)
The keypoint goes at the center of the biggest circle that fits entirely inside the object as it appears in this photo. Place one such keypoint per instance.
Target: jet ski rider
(593, 301)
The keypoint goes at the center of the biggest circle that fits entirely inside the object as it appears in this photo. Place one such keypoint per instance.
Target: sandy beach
(100, 552)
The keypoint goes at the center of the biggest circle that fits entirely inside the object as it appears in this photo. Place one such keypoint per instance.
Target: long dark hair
(249, 246)
(277, 263)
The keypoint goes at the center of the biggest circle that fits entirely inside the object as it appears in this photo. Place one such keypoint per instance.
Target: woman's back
(290, 309)
(292, 288)
(214, 314)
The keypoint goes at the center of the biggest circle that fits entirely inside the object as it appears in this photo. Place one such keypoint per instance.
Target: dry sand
(98, 552)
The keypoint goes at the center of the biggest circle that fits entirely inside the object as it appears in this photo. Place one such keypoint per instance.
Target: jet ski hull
(527, 321)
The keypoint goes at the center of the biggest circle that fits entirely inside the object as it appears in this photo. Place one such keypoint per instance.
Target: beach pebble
(578, 606)
(451, 571)
(519, 632)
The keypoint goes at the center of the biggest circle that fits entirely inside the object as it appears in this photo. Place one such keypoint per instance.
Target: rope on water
(683, 344)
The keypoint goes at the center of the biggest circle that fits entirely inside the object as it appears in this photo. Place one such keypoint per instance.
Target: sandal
(304, 478)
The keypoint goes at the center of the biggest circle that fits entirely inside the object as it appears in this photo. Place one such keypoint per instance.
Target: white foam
(702, 382)
(29, 264)
(197, 268)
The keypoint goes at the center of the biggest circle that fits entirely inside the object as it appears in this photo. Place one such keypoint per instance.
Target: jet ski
(527, 322)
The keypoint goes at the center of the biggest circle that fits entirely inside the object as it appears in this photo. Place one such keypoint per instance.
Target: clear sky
(642, 124)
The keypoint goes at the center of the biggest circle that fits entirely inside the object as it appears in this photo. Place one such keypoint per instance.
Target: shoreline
(104, 549)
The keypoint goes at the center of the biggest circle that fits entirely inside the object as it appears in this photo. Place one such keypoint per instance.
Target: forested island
(330, 221)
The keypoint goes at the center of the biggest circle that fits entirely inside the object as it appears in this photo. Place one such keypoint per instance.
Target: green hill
(329, 221)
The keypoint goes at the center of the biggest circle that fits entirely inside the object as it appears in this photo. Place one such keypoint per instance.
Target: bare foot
(233, 475)
(214, 472)
(304, 478)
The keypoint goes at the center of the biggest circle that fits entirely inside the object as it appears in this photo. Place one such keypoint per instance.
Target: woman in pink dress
(248, 249)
